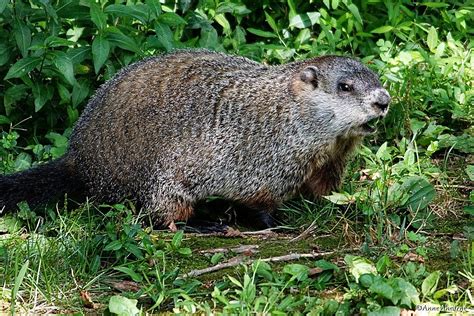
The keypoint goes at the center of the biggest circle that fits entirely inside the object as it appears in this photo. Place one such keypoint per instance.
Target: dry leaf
(232, 232)
(86, 299)
(315, 271)
(126, 286)
(413, 257)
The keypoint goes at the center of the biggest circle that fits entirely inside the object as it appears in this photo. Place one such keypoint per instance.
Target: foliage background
(54, 54)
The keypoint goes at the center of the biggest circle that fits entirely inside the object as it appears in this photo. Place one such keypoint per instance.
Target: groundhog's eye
(345, 87)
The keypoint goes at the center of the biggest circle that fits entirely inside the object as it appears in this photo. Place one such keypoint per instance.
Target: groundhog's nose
(382, 100)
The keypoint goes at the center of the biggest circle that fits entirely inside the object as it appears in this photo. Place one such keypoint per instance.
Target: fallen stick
(297, 256)
(241, 259)
(306, 232)
(239, 249)
(231, 263)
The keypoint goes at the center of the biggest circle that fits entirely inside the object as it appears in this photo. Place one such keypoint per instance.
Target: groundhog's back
(181, 109)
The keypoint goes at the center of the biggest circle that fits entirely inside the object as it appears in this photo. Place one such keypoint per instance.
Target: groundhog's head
(344, 95)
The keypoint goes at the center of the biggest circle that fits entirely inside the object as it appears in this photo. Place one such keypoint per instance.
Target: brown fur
(172, 130)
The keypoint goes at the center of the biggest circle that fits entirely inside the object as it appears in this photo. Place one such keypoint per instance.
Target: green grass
(48, 267)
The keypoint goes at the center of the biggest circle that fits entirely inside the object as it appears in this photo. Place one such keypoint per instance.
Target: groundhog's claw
(172, 227)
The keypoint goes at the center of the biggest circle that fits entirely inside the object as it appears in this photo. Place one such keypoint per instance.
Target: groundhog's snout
(381, 101)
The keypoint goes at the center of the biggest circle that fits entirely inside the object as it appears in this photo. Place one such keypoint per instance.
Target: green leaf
(228, 7)
(326, 265)
(366, 280)
(470, 172)
(355, 12)
(132, 274)
(386, 311)
(4, 120)
(64, 65)
(432, 39)
(72, 115)
(263, 269)
(12, 95)
(452, 289)
(58, 140)
(22, 36)
(113, 246)
(19, 279)
(42, 94)
(185, 251)
(138, 11)
(217, 257)
(469, 209)
(97, 15)
(305, 20)
(23, 162)
(405, 293)
(271, 22)
(164, 36)
(420, 192)
(123, 306)
(177, 238)
(22, 67)
(298, 271)
(100, 52)
(155, 7)
(382, 29)
(80, 91)
(343, 198)
(381, 288)
(235, 281)
(10, 224)
(79, 54)
(3, 5)
(430, 283)
(171, 19)
(383, 153)
(434, 4)
(221, 19)
(4, 54)
(292, 6)
(133, 248)
(262, 33)
(117, 38)
(209, 37)
(51, 12)
(359, 266)
(383, 264)
(54, 41)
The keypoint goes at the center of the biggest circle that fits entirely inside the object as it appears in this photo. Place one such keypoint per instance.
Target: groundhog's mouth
(370, 126)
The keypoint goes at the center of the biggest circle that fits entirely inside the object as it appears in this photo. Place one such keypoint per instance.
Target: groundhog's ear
(310, 75)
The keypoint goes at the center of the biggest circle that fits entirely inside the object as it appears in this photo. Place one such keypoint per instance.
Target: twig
(306, 232)
(297, 256)
(240, 249)
(456, 186)
(240, 259)
(231, 263)
(266, 231)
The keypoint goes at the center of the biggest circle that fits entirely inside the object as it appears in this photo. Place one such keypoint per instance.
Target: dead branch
(308, 231)
(231, 263)
(241, 259)
(240, 249)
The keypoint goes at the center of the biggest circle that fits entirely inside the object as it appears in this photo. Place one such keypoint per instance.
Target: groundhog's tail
(39, 185)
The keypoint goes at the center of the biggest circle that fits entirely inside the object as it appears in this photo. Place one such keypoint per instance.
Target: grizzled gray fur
(171, 130)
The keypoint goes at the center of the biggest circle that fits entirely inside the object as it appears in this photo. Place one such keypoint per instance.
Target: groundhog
(171, 130)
